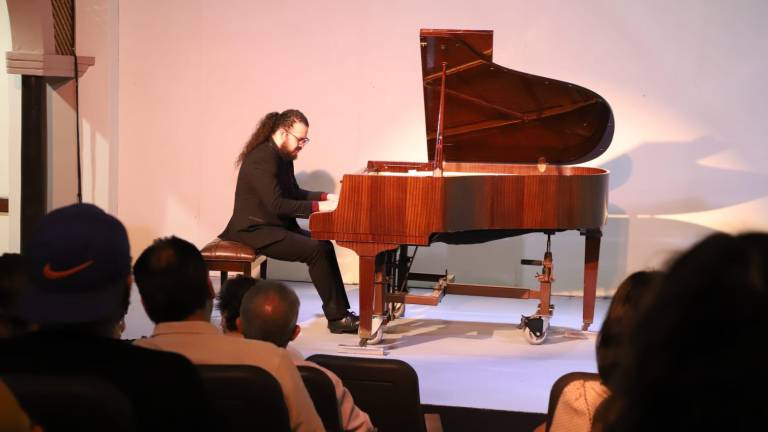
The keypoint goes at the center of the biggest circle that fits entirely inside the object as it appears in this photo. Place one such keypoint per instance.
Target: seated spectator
(230, 298)
(268, 312)
(576, 406)
(13, 280)
(695, 360)
(177, 294)
(79, 267)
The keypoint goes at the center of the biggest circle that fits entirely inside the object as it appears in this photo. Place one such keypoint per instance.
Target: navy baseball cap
(78, 261)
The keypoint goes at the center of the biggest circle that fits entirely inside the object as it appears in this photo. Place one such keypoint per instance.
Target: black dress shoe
(349, 324)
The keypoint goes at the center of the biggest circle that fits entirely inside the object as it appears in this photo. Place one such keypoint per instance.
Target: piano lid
(498, 115)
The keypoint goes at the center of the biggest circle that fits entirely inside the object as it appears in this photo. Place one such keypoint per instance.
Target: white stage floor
(468, 351)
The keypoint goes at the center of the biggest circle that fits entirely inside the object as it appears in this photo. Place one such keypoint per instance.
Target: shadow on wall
(683, 177)
(664, 178)
(318, 180)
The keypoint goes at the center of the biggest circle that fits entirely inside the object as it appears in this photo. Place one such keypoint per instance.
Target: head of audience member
(697, 344)
(230, 298)
(173, 282)
(79, 267)
(624, 306)
(269, 312)
(13, 279)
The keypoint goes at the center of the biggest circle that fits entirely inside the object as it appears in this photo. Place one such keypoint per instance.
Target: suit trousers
(319, 255)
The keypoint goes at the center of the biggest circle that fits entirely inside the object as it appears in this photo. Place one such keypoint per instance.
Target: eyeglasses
(302, 141)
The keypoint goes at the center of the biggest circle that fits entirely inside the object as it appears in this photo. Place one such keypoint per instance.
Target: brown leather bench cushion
(225, 250)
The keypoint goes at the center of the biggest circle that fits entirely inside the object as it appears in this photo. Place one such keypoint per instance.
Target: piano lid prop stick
(437, 168)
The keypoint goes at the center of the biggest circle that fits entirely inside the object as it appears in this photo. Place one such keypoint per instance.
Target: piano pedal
(364, 349)
(396, 310)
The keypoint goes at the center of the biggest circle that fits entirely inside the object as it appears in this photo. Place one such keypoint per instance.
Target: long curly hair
(626, 302)
(698, 346)
(268, 125)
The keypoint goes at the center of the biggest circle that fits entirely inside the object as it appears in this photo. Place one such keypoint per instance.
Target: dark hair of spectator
(695, 356)
(231, 297)
(624, 306)
(172, 279)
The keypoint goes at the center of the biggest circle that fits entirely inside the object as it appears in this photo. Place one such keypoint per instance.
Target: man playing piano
(267, 202)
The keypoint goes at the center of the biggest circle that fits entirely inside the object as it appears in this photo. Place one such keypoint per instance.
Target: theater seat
(323, 394)
(72, 403)
(386, 389)
(246, 398)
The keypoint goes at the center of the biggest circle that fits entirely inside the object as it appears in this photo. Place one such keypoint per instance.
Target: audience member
(269, 312)
(13, 279)
(695, 359)
(576, 405)
(230, 298)
(79, 268)
(177, 294)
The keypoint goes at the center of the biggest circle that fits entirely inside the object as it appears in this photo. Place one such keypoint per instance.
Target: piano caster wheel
(378, 322)
(373, 340)
(377, 337)
(585, 326)
(535, 329)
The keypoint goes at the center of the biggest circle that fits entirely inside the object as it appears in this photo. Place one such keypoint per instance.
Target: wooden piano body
(508, 136)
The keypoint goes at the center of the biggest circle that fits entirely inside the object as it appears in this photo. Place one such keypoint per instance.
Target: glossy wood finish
(496, 114)
(376, 208)
(591, 260)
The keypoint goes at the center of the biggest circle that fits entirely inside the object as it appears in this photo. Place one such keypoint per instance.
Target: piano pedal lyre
(536, 327)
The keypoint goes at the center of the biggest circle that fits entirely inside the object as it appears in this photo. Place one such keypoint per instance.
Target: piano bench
(227, 256)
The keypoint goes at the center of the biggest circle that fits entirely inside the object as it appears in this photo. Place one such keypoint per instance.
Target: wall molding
(52, 65)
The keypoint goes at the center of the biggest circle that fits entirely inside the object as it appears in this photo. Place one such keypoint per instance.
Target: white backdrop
(686, 81)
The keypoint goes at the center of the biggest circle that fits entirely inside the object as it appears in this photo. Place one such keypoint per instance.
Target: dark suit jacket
(164, 388)
(267, 198)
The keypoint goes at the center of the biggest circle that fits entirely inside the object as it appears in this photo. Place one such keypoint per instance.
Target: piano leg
(367, 271)
(591, 260)
(372, 259)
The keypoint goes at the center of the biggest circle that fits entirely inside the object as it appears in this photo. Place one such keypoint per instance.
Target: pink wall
(685, 80)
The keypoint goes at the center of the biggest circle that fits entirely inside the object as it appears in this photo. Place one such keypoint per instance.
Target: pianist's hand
(329, 205)
(332, 197)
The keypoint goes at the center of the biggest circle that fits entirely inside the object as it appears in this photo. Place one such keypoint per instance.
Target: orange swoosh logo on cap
(50, 273)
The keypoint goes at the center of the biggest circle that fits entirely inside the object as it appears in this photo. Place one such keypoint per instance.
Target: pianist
(267, 202)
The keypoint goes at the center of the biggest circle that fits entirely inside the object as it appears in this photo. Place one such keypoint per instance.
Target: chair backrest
(386, 389)
(68, 403)
(559, 385)
(246, 398)
(323, 394)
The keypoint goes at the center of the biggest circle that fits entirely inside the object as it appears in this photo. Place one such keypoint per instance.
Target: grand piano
(499, 143)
